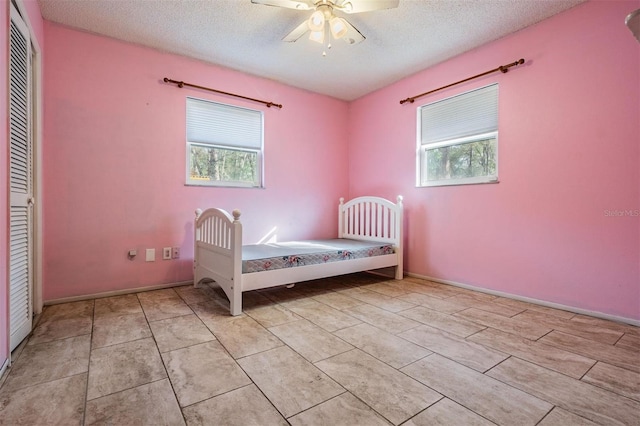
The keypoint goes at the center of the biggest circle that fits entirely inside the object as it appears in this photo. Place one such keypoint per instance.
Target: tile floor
(352, 350)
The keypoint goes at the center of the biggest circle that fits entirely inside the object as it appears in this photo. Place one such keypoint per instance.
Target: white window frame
(423, 148)
(211, 143)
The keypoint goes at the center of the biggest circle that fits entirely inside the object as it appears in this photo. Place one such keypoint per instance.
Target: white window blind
(471, 113)
(223, 125)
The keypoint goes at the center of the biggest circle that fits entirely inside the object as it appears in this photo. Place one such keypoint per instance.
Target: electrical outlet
(166, 253)
(151, 255)
(176, 253)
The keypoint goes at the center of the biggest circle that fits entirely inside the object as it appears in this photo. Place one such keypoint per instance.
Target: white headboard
(371, 219)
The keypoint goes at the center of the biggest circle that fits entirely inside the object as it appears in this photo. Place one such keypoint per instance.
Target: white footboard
(218, 253)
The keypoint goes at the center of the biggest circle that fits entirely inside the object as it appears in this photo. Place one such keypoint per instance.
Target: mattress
(265, 257)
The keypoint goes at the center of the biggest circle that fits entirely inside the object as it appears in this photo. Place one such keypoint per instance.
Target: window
(224, 144)
(458, 139)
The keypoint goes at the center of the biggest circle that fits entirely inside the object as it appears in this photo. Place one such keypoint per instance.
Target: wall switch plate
(176, 253)
(151, 255)
(166, 253)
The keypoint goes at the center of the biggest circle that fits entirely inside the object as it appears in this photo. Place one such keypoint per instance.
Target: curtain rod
(182, 84)
(501, 68)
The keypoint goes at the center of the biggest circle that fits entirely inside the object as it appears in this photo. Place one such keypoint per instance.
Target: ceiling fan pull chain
(328, 39)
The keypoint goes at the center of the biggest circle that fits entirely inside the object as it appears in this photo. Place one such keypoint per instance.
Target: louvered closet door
(20, 181)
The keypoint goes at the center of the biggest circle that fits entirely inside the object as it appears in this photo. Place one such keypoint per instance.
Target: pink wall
(115, 163)
(36, 22)
(568, 150)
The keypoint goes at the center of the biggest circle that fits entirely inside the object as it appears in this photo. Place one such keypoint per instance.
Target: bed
(369, 238)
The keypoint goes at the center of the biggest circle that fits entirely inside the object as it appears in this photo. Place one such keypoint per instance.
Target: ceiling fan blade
(353, 36)
(298, 32)
(357, 6)
(289, 4)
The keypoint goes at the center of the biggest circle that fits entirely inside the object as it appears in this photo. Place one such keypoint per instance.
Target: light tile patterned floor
(353, 350)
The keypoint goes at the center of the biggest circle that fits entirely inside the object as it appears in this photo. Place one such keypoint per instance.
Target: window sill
(236, 186)
(459, 182)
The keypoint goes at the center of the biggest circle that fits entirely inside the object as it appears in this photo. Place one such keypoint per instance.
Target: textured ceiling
(247, 37)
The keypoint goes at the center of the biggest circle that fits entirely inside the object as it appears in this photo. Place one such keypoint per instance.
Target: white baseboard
(574, 309)
(114, 293)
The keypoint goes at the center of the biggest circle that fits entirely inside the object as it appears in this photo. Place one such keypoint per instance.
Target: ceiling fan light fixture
(322, 24)
(338, 27)
(317, 36)
(316, 21)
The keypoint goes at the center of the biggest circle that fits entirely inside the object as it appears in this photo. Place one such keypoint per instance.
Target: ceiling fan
(324, 17)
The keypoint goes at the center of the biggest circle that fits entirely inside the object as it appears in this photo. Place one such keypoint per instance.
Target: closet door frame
(36, 144)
